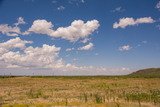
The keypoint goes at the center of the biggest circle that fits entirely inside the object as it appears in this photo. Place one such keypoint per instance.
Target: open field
(79, 91)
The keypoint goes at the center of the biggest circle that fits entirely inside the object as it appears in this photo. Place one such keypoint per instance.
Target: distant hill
(150, 73)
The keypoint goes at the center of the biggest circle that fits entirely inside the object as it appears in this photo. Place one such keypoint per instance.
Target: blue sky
(117, 36)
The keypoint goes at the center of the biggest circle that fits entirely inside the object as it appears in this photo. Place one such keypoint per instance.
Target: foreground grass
(79, 91)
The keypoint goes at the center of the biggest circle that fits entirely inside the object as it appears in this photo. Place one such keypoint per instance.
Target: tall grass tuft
(99, 98)
(34, 94)
(85, 97)
(1, 101)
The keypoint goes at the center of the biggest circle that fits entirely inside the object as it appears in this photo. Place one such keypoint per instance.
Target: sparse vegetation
(67, 91)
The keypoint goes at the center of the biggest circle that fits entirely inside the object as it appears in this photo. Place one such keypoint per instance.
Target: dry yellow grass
(77, 91)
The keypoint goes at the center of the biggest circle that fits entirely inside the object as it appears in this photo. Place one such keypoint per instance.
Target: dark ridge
(149, 73)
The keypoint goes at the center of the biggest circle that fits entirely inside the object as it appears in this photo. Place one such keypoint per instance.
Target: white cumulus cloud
(11, 44)
(85, 40)
(158, 6)
(15, 43)
(9, 30)
(45, 56)
(118, 9)
(60, 8)
(41, 27)
(124, 22)
(20, 21)
(39, 58)
(12, 30)
(78, 29)
(125, 48)
(69, 49)
(87, 47)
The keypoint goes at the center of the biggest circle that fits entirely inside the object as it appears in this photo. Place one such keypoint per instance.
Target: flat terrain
(79, 91)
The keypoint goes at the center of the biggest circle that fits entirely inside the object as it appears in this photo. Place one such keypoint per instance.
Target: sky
(78, 37)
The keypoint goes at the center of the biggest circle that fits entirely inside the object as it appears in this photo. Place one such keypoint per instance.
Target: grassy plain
(97, 91)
